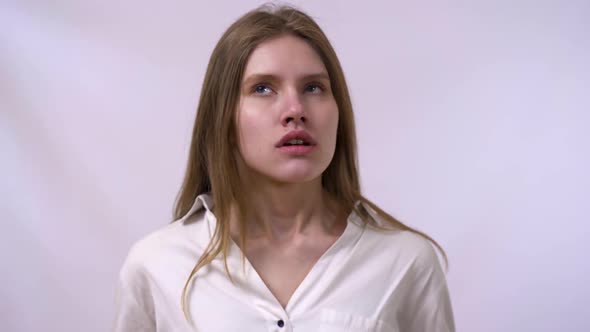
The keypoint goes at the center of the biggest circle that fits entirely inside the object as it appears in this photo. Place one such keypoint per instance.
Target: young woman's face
(286, 89)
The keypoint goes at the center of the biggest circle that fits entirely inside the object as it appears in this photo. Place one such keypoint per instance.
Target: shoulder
(404, 246)
(165, 246)
(407, 246)
(418, 250)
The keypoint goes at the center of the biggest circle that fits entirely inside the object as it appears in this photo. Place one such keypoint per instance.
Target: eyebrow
(273, 78)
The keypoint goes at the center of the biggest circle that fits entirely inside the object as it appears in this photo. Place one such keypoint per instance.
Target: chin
(295, 179)
(285, 173)
(295, 176)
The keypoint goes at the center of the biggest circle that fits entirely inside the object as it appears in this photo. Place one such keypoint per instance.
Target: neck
(286, 211)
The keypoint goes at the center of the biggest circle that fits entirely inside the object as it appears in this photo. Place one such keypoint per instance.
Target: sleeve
(428, 307)
(134, 302)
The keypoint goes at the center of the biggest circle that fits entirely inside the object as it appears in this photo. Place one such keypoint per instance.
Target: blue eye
(313, 88)
(262, 89)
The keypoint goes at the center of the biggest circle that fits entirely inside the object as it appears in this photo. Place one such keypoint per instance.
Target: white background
(472, 122)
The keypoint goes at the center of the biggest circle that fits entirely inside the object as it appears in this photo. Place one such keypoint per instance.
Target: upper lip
(297, 134)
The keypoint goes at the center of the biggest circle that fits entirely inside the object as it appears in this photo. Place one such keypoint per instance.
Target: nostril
(290, 119)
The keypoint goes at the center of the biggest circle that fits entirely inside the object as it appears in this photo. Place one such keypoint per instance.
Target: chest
(328, 287)
(303, 301)
(283, 269)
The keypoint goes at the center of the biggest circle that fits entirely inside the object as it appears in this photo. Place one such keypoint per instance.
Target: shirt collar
(205, 201)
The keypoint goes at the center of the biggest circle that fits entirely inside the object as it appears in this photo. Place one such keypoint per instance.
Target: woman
(271, 231)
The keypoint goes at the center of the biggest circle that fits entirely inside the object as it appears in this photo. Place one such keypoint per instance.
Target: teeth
(295, 141)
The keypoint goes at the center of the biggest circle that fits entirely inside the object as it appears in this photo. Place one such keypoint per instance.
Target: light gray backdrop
(472, 121)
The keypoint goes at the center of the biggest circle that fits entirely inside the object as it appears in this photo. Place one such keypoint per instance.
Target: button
(280, 323)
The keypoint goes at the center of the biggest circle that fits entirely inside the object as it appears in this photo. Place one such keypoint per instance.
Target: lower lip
(297, 149)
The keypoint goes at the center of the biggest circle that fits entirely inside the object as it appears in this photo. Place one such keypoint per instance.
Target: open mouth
(296, 138)
(295, 142)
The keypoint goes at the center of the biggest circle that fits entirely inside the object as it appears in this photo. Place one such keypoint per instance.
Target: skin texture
(286, 87)
(283, 90)
(272, 106)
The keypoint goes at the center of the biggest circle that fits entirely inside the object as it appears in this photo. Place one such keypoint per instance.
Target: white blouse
(368, 280)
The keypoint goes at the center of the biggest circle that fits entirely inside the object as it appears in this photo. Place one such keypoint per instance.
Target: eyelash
(318, 85)
(260, 85)
(266, 85)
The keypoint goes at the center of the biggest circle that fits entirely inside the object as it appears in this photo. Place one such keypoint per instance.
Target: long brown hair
(212, 165)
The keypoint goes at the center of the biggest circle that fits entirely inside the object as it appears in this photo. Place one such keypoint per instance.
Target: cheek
(251, 115)
(331, 122)
(250, 127)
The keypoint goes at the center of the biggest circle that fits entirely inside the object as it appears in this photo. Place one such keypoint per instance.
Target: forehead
(284, 56)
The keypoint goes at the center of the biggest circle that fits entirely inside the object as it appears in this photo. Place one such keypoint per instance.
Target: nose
(294, 110)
